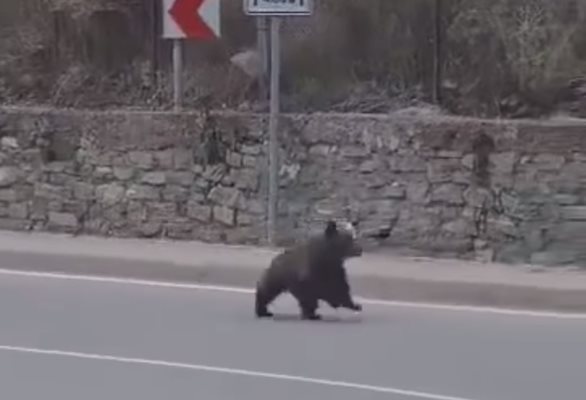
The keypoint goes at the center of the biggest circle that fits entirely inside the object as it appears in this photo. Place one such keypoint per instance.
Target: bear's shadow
(325, 319)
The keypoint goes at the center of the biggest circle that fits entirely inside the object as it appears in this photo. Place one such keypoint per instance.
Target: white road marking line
(125, 281)
(231, 371)
(249, 291)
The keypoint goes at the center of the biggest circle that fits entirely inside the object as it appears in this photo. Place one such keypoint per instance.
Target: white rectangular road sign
(278, 7)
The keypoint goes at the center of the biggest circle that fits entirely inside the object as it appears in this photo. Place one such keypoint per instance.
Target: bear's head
(342, 240)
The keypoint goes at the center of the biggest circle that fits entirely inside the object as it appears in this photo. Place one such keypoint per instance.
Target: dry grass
(501, 57)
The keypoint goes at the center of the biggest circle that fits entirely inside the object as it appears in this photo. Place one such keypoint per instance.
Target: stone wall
(512, 191)
(129, 175)
(493, 190)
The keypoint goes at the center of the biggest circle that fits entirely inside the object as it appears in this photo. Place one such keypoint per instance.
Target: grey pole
(263, 47)
(273, 129)
(177, 74)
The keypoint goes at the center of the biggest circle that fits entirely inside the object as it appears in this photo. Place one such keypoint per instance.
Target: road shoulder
(381, 276)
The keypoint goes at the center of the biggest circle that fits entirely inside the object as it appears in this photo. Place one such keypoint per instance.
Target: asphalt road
(70, 340)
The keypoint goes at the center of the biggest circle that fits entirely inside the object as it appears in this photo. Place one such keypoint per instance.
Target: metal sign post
(177, 74)
(188, 19)
(262, 40)
(275, 10)
(273, 125)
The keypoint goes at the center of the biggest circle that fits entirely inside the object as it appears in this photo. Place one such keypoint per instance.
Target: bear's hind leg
(308, 303)
(308, 310)
(263, 298)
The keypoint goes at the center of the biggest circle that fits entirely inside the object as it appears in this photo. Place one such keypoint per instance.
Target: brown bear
(311, 271)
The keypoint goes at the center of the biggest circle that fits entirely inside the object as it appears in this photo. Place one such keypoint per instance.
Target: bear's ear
(331, 229)
(351, 229)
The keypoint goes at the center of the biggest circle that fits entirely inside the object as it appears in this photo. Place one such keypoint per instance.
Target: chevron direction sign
(191, 19)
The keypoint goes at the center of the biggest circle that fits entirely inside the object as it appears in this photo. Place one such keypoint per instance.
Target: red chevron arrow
(186, 15)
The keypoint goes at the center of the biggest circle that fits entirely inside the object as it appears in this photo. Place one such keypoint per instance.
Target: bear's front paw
(335, 304)
(264, 314)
